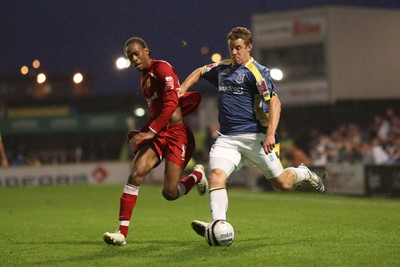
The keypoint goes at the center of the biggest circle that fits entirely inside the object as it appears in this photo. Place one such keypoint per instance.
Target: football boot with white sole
(199, 227)
(314, 180)
(202, 186)
(115, 239)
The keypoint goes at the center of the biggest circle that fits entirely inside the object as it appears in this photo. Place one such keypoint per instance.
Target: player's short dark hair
(240, 33)
(137, 40)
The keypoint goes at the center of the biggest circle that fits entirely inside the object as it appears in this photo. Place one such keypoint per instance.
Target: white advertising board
(74, 174)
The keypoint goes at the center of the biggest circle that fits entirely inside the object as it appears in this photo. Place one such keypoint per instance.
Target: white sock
(300, 174)
(218, 203)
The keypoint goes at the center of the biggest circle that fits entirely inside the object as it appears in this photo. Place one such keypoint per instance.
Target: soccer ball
(219, 233)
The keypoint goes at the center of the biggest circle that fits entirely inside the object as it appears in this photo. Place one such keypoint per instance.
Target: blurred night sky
(87, 35)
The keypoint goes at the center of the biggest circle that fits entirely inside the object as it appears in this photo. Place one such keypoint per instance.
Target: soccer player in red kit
(165, 137)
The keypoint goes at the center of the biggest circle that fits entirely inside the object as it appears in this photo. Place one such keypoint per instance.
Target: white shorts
(229, 152)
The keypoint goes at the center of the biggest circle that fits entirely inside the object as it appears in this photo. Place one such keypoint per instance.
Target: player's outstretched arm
(193, 78)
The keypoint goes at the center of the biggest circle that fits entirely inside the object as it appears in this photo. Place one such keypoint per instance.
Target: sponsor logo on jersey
(169, 83)
(150, 99)
(236, 90)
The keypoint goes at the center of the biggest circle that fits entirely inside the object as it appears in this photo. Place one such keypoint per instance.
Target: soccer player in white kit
(249, 112)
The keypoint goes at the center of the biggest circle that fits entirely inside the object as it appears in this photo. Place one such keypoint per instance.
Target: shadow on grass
(140, 252)
(149, 252)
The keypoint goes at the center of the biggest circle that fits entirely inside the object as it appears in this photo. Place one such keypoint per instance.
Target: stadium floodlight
(41, 78)
(77, 78)
(36, 63)
(139, 112)
(122, 63)
(276, 74)
(216, 57)
(24, 70)
(204, 50)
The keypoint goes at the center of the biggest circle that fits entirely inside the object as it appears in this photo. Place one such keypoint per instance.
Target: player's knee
(217, 178)
(169, 195)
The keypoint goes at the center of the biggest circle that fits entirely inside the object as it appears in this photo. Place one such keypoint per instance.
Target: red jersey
(159, 88)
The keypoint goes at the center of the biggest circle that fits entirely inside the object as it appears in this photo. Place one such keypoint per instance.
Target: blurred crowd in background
(376, 143)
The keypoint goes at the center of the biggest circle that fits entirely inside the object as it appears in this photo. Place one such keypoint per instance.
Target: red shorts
(175, 143)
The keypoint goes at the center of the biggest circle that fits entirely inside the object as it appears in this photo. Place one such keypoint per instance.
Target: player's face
(240, 52)
(138, 56)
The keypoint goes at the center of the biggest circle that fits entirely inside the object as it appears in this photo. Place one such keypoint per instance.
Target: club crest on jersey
(240, 78)
(169, 83)
(148, 83)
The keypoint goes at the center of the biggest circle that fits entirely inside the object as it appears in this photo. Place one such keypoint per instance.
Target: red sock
(127, 203)
(190, 180)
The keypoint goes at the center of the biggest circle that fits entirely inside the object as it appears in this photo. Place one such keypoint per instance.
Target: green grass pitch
(63, 226)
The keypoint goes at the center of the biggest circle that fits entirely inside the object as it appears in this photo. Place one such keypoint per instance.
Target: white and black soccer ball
(219, 233)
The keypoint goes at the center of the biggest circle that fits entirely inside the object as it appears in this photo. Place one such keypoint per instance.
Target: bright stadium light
(41, 78)
(216, 57)
(139, 112)
(78, 78)
(122, 63)
(276, 74)
(24, 70)
(204, 50)
(36, 63)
